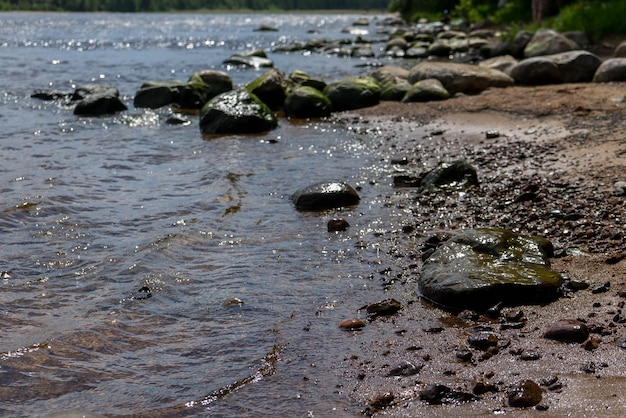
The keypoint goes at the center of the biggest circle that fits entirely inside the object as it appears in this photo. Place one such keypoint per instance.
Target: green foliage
(514, 11)
(596, 18)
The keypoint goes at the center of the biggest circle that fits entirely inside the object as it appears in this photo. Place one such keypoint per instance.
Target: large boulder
(271, 88)
(307, 102)
(236, 112)
(548, 42)
(566, 67)
(353, 93)
(460, 78)
(620, 50)
(392, 87)
(613, 69)
(482, 267)
(427, 90)
(325, 195)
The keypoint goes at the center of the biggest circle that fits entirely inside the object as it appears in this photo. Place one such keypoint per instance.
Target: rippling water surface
(148, 271)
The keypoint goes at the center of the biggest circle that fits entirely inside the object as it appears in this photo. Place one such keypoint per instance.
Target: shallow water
(148, 271)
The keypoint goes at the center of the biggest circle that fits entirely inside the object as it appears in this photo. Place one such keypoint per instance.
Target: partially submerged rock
(307, 102)
(236, 112)
(325, 195)
(270, 87)
(353, 93)
(99, 104)
(481, 267)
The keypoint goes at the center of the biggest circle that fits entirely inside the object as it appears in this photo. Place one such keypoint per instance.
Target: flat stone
(482, 267)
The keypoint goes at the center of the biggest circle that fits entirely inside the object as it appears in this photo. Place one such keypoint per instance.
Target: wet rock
(337, 225)
(460, 78)
(383, 308)
(612, 69)
(236, 112)
(479, 268)
(84, 91)
(353, 93)
(548, 42)
(270, 87)
(464, 354)
(156, 94)
(307, 102)
(405, 369)
(99, 104)
(302, 78)
(482, 340)
(568, 330)
(265, 28)
(255, 59)
(49, 94)
(325, 195)
(351, 324)
(426, 91)
(480, 385)
(453, 175)
(525, 394)
(436, 394)
(213, 82)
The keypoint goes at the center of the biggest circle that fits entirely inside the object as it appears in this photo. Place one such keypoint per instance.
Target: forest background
(599, 19)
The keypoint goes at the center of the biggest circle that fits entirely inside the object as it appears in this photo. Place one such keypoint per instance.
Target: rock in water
(481, 267)
(236, 112)
(325, 195)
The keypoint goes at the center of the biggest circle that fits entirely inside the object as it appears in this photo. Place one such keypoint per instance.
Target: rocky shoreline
(550, 160)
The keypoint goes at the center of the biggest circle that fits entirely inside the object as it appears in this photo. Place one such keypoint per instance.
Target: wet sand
(568, 142)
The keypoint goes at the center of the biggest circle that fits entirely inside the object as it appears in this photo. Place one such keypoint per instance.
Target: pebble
(384, 307)
(568, 330)
(351, 324)
(482, 340)
(406, 369)
(337, 225)
(525, 394)
(480, 385)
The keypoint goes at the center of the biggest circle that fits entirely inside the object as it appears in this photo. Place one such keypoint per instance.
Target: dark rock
(86, 90)
(480, 385)
(482, 340)
(382, 401)
(481, 267)
(436, 394)
(49, 95)
(325, 195)
(612, 69)
(307, 102)
(383, 308)
(406, 369)
(464, 354)
(236, 112)
(453, 175)
(337, 225)
(99, 104)
(271, 88)
(254, 59)
(525, 394)
(568, 330)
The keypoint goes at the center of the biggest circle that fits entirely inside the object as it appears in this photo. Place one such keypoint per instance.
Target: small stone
(464, 354)
(601, 288)
(384, 307)
(621, 342)
(492, 134)
(591, 343)
(568, 330)
(381, 401)
(514, 316)
(405, 369)
(480, 386)
(482, 340)
(530, 355)
(232, 302)
(525, 394)
(337, 225)
(351, 324)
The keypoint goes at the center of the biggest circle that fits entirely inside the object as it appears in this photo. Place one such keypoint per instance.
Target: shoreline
(567, 139)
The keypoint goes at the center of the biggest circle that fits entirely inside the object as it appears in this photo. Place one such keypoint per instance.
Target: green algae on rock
(481, 267)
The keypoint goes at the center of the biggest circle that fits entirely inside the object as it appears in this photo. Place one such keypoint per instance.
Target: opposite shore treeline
(180, 5)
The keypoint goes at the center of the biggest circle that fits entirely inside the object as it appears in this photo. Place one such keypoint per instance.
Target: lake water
(146, 271)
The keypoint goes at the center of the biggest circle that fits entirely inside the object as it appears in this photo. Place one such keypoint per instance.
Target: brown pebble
(591, 343)
(351, 323)
(568, 330)
(525, 394)
(383, 400)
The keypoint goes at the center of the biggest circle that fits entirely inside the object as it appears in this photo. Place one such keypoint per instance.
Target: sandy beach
(567, 144)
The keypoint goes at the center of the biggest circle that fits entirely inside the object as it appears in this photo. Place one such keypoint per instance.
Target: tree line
(189, 5)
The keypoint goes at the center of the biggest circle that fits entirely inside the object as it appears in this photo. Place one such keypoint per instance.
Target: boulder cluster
(434, 61)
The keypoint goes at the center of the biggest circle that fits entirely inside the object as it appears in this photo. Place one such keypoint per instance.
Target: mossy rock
(353, 93)
(307, 102)
(482, 267)
(236, 112)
